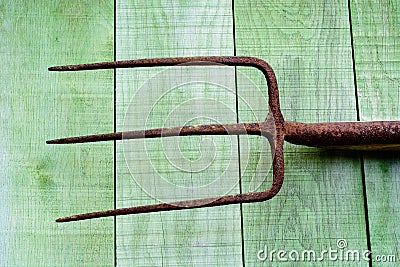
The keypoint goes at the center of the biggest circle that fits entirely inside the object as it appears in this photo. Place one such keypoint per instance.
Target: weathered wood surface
(377, 55)
(309, 46)
(165, 97)
(323, 73)
(40, 182)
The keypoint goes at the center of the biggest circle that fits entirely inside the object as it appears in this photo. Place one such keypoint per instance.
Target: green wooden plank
(180, 238)
(308, 45)
(377, 56)
(40, 182)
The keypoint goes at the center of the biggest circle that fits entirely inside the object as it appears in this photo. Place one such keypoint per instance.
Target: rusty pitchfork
(338, 135)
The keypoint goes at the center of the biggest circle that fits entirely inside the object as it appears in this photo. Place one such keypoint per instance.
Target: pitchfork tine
(185, 204)
(272, 128)
(342, 135)
(205, 129)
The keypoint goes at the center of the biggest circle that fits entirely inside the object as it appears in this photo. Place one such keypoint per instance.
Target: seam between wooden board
(361, 154)
(115, 129)
(238, 138)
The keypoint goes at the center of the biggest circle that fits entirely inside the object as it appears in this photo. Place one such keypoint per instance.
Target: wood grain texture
(377, 56)
(308, 45)
(39, 182)
(158, 97)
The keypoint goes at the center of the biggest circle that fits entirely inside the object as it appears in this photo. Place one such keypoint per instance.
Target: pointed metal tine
(204, 129)
(247, 61)
(272, 129)
(180, 205)
(186, 204)
(87, 138)
(154, 62)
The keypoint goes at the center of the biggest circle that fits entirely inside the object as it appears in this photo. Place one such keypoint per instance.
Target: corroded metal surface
(345, 135)
(273, 125)
(254, 128)
(263, 66)
(342, 135)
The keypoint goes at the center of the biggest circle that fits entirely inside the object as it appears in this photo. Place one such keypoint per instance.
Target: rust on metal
(338, 135)
(345, 135)
(254, 128)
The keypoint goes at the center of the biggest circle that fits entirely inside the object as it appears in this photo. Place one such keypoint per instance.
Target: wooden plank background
(182, 238)
(377, 54)
(39, 182)
(334, 60)
(308, 45)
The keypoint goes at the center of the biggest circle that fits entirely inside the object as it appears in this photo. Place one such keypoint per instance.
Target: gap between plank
(115, 129)
(238, 138)
(361, 154)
